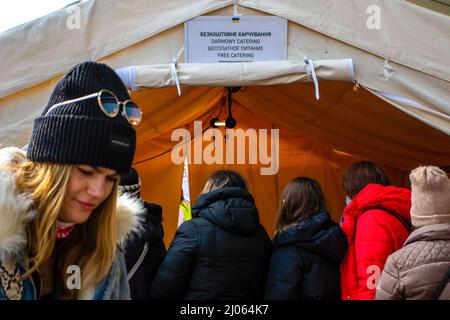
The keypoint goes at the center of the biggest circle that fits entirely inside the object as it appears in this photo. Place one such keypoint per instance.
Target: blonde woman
(61, 221)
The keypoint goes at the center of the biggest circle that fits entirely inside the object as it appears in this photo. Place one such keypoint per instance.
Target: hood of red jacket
(375, 195)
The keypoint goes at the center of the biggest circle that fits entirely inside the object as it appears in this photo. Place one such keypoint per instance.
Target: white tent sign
(210, 39)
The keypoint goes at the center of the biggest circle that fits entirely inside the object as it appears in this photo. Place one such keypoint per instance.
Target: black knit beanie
(79, 132)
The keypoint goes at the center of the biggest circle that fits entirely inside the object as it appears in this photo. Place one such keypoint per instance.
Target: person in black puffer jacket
(144, 251)
(223, 252)
(308, 246)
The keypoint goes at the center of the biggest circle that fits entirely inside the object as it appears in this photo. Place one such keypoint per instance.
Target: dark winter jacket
(306, 259)
(222, 253)
(144, 253)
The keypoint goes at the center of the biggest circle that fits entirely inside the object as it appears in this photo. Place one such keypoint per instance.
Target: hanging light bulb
(215, 122)
(230, 122)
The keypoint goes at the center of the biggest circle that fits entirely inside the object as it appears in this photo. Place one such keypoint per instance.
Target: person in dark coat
(223, 252)
(308, 246)
(144, 251)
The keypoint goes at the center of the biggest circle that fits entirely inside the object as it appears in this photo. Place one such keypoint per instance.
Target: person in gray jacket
(421, 269)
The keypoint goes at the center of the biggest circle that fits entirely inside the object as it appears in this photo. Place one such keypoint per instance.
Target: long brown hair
(301, 197)
(91, 246)
(360, 174)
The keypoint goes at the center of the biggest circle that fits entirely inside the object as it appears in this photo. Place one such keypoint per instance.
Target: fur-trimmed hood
(16, 211)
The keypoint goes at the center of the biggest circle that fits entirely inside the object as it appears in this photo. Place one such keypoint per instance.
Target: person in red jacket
(376, 222)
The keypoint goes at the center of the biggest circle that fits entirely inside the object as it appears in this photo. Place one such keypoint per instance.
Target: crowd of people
(70, 202)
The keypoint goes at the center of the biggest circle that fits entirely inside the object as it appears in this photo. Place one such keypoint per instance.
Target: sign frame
(262, 38)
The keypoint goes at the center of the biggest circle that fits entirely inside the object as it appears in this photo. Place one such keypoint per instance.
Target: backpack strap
(441, 286)
(405, 222)
(139, 261)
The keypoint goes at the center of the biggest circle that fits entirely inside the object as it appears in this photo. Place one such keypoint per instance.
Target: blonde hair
(91, 246)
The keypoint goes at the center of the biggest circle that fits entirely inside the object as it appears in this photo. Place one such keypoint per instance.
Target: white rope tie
(173, 73)
(311, 72)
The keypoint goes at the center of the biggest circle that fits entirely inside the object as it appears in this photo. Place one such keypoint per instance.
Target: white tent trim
(412, 39)
(233, 74)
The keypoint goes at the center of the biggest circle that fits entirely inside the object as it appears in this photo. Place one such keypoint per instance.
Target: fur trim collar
(130, 217)
(16, 211)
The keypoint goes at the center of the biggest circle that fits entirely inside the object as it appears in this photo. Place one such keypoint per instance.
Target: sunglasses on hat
(110, 105)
